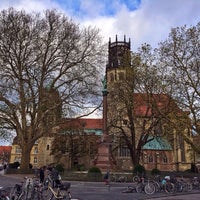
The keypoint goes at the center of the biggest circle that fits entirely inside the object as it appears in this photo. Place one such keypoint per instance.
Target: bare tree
(75, 142)
(48, 66)
(179, 57)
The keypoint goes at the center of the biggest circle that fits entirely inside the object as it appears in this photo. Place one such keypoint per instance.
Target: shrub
(94, 170)
(155, 171)
(139, 169)
(60, 168)
(94, 174)
(80, 167)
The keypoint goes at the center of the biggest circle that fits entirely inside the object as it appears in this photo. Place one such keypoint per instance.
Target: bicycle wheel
(122, 179)
(113, 178)
(2, 197)
(64, 194)
(15, 192)
(26, 194)
(46, 194)
(157, 186)
(149, 188)
(36, 195)
(189, 187)
(169, 188)
(139, 187)
(136, 179)
(178, 187)
(13, 195)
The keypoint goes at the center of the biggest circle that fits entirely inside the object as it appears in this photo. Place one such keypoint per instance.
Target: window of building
(111, 77)
(18, 150)
(157, 157)
(150, 159)
(17, 159)
(165, 160)
(119, 62)
(36, 150)
(47, 147)
(37, 141)
(35, 159)
(121, 76)
(124, 151)
(182, 147)
(145, 158)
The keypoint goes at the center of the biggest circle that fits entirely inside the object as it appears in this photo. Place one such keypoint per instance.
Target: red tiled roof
(5, 149)
(86, 123)
(145, 105)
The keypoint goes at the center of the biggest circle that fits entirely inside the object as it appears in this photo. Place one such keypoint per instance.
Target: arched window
(35, 159)
(145, 158)
(47, 147)
(124, 151)
(36, 150)
(165, 160)
(150, 159)
(121, 76)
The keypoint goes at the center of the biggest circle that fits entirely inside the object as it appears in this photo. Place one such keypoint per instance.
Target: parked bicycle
(4, 193)
(118, 178)
(195, 183)
(145, 185)
(61, 191)
(32, 189)
(16, 191)
(23, 191)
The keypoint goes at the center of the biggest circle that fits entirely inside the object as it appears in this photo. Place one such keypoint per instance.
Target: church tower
(119, 58)
(119, 75)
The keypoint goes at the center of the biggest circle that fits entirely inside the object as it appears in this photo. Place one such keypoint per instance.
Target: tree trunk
(137, 157)
(25, 159)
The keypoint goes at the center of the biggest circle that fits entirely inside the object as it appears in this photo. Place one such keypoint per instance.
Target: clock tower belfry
(119, 58)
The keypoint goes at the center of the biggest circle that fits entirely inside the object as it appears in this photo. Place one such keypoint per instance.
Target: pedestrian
(106, 178)
(56, 177)
(42, 169)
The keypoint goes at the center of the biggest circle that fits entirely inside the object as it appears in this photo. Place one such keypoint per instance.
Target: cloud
(29, 5)
(151, 22)
(145, 21)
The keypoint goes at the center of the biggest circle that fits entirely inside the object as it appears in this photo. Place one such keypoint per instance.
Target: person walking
(42, 170)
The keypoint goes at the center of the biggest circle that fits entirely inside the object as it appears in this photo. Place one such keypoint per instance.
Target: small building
(83, 129)
(5, 152)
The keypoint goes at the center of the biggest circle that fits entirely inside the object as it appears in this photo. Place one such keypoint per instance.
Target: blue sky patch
(100, 7)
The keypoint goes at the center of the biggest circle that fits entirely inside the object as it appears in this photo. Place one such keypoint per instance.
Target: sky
(143, 21)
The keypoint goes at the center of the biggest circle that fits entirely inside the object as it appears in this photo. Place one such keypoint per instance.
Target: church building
(132, 130)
